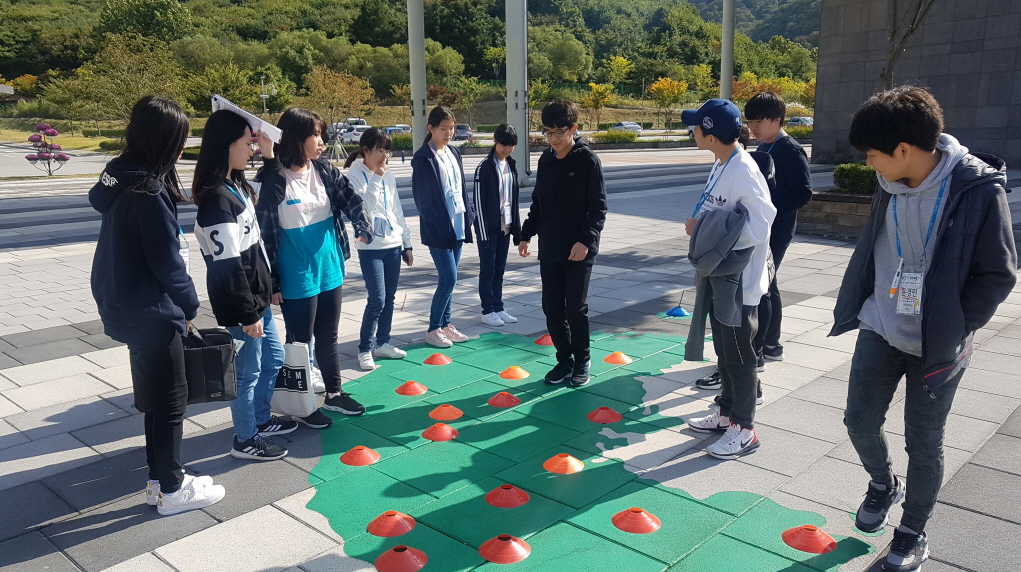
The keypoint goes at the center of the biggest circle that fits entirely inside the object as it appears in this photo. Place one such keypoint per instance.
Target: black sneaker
(343, 403)
(580, 376)
(907, 552)
(316, 421)
(257, 448)
(758, 396)
(560, 372)
(276, 426)
(711, 381)
(760, 364)
(872, 513)
(773, 353)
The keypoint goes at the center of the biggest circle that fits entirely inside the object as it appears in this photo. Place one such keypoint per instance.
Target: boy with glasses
(568, 212)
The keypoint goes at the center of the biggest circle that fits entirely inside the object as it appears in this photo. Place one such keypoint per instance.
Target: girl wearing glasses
(445, 215)
(381, 259)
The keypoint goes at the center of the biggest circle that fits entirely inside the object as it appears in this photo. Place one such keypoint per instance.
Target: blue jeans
(876, 370)
(446, 260)
(492, 264)
(381, 270)
(258, 362)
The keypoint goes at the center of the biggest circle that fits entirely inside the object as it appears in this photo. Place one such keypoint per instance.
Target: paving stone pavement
(72, 466)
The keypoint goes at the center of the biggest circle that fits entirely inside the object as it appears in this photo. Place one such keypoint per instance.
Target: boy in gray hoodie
(934, 261)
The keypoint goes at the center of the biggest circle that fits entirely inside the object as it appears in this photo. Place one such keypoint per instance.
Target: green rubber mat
(516, 437)
(443, 552)
(443, 467)
(440, 378)
(599, 477)
(724, 554)
(497, 358)
(473, 398)
(564, 548)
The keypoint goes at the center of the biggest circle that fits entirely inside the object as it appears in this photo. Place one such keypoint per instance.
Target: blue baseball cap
(718, 117)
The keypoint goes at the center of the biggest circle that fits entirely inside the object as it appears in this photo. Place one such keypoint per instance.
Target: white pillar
(416, 59)
(517, 82)
(727, 55)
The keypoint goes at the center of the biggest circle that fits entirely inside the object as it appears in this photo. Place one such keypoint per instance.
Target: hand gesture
(254, 330)
(265, 144)
(523, 248)
(578, 252)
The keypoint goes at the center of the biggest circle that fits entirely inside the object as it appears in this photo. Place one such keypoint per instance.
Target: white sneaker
(437, 338)
(712, 423)
(152, 489)
(453, 334)
(191, 496)
(318, 385)
(507, 318)
(737, 441)
(365, 361)
(492, 319)
(389, 351)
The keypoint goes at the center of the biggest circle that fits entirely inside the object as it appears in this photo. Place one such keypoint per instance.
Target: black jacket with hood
(568, 203)
(973, 267)
(138, 275)
(488, 210)
(430, 200)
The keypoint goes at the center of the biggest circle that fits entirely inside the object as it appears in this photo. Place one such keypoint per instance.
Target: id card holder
(380, 226)
(184, 252)
(909, 298)
(458, 202)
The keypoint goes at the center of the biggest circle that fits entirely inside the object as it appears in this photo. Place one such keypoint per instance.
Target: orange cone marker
(440, 432)
(507, 496)
(446, 412)
(808, 538)
(359, 456)
(618, 358)
(401, 559)
(563, 464)
(391, 523)
(437, 359)
(504, 399)
(514, 372)
(505, 549)
(604, 415)
(545, 340)
(637, 521)
(411, 388)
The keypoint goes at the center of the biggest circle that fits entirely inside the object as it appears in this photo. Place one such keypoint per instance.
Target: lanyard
(449, 170)
(709, 190)
(932, 223)
(504, 175)
(386, 207)
(781, 136)
(236, 194)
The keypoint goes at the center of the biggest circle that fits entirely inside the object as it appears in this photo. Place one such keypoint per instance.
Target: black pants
(161, 393)
(492, 265)
(771, 307)
(319, 315)
(737, 360)
(565, 303)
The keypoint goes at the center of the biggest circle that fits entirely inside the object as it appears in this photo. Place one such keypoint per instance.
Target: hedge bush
(615, 137)
(606, 126)
(490, 128)
(800, 132)
(112, 145)
(190, 153)
(103, 132)
(197, 131)
(402, 142)
(855, 178)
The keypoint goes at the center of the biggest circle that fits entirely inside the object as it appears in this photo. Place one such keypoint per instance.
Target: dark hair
(438, 115)
(745, 136)
(222, 130)
(504, 135)
(155, 138)
(298, 125)
(728, 139)
(372, 138)
(560, 113)
(903, 114)
(765, 105)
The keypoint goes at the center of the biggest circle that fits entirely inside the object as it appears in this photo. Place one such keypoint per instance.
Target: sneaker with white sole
(343, 403)
(760, 364)
(758, 396)
(715, 422)
(560, 372)
(276, 426)
(192, 495)
(453, 334)
(389, 351)
(736, 442)
(365, 361)
(507, 318)
(257, 448)
(907, 552)
(317, 420)
(438, 339)
(152, 489)
(874, 510)
(318, 385)
(710, 382)
(773, 353)
(492, 319)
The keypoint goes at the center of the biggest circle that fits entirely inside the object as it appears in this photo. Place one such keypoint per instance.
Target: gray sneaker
(874, 510)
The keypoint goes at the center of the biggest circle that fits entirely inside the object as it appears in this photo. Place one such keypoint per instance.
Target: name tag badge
(508, 215)
(185, 254)
(909, 299)
(380, 226)
(458, 202)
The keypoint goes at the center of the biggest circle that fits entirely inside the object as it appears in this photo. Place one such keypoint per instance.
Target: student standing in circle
(145, 297)
(300, 205)
(498, 222)
(381, 260)
(445, 217)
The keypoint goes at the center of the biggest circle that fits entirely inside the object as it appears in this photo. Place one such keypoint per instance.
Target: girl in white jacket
(380, 260)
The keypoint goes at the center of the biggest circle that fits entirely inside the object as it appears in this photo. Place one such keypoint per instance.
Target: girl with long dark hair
(381, 260)
(498, 222)
(145, 297)
(445, 216)
(300, 210)
(238, 280)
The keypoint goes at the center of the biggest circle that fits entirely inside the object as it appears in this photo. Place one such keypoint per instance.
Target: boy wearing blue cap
(736, 184)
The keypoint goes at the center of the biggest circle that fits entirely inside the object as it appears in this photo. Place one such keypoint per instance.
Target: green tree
(668, 93)
(274, 80)
(470, 89)
(382, 67)
(496, 57)
(618, 69)
(75, 96)
(380, 23)
(129, 68)
(335, 95)
(230, 81)
(599, 96)
(197, 53)
(441, 63)
(166, 20)
(466, 26)
(556, 54)
(538, 97)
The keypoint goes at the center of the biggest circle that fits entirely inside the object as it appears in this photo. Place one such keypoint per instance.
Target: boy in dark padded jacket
(568, 212)
(934, 261)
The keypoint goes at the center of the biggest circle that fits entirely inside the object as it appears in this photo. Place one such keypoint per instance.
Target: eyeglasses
(384, 152)
(555, 133)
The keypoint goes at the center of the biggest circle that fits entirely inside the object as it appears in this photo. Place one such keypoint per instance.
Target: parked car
(404, 128)
(463, 132)
(800, 122)
(353, 134)
(626, 126)
(691, 133)
(355, 122)
(391, 131)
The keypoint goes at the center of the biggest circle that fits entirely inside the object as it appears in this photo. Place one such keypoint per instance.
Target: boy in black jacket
(934, 261)
(568, 212)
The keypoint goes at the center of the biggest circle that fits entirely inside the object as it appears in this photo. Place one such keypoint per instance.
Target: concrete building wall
(967, 52)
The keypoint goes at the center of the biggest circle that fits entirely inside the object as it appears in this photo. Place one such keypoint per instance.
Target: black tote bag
(209, 366)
